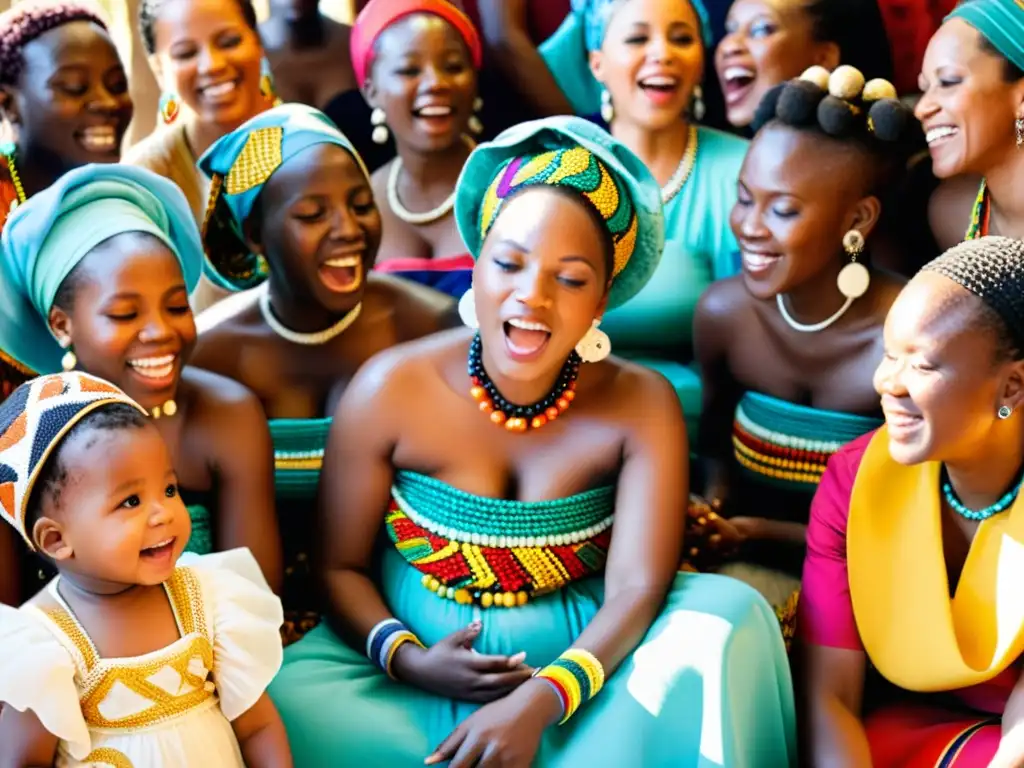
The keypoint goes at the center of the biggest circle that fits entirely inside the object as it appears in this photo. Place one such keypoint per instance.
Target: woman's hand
(452, 669)
(505, 733)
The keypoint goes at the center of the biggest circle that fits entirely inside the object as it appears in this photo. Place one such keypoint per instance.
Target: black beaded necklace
(519, 418)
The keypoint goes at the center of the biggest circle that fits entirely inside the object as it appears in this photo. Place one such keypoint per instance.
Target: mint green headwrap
(1001, 22)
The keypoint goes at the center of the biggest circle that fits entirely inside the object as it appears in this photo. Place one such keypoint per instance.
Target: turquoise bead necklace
(978, 514)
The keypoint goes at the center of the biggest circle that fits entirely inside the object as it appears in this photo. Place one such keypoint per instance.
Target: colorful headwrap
(566, 51)
(378, 15)
(33, 421)
(239, 164)
(574, 154)
(1001, 22)
(49, 234)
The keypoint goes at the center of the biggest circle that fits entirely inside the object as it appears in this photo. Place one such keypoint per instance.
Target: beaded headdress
(33, 421)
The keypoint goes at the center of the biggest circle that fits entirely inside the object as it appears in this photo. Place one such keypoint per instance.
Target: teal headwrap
(574, 154)
(566, 51)
(239, 164)
(47, 236)
(1001, 22)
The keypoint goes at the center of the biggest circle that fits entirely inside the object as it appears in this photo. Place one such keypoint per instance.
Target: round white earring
(607, 109)
(1004, 412)
(467, 310)
(854, 278)
(380, 130)
(595, 345)
(698, 103)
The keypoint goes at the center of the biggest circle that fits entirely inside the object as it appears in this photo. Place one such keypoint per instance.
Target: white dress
(167, 709)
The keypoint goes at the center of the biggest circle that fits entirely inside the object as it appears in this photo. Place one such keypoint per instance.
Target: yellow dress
(171, 707)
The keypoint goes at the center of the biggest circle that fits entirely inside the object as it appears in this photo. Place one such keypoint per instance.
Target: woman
(787, 349)
(565, 222)
(416, 62)
(768, 42)
(64, 93)
(320, 314)
(207, 57)
(916, 526)
(95, 273)
(972, 112)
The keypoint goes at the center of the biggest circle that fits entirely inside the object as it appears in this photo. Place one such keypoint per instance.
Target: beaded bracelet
(576, 677)
(385, 639)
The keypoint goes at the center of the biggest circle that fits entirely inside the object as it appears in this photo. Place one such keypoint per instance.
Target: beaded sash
(298, 455)
(493, 552)
(789, 445)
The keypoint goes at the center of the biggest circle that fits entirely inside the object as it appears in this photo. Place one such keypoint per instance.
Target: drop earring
(697, 108)
(467, 310)
(267, 81)
(380, 129)
(854, 278)
(475, 126)
(1004, 412)
(169, 107)
(607, 110)
(1020, 132)
(595, 345)
(70, 360)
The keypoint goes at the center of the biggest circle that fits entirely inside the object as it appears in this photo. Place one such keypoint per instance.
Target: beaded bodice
(298, 455)
(475, 549)
(128, 694)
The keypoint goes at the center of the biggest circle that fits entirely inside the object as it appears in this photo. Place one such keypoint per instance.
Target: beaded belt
(492, 552)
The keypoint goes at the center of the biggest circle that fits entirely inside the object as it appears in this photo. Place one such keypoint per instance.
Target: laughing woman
(417, 63)
(497, 462)
(972, 111)
(916, 540)
(95, 273)
(303, 203)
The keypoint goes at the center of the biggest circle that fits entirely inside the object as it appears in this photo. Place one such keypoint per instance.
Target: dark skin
(316, 207)
(544, 260)
(945, 370)
(422, 62)
(97, 531)
(790, 211)
(70, 106)
(965, 87)
(308, 53)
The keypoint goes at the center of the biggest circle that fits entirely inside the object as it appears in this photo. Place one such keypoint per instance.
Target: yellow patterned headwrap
(574, 168)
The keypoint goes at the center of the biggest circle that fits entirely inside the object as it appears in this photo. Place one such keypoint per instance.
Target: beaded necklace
(980, 514)
(7, 151)
(519, 418)
(980, 214)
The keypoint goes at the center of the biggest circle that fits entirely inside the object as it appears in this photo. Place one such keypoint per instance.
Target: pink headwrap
(378, 15)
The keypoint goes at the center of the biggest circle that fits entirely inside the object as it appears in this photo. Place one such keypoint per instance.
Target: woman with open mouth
(972, 112)
(915, 531)
(297, 218)
(95, 272)
(532, 490)
(787, 349)
(768, 42)
(208, 59)
(64, 92)
(416, 62)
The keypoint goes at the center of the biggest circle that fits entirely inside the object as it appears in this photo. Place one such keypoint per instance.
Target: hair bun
(766, 108)
(878, 89)
(817, 75)
(798, 102)
(846, 82)
(836, 116)
(888, 119)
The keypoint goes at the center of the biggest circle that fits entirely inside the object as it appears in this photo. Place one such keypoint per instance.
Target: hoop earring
(467, 310)
(380, 129)
(697, 108)
(1004, 412)
(1020, 132)
(854, 278)
(474, 125)
(595, 345)
(170, 106)
(267, 81)
(607, 109)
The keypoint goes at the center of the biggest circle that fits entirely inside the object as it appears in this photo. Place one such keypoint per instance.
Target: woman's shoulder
(217, 400)
(157, 151)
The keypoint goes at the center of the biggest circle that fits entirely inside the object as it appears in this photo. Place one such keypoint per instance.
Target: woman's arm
(834, 735)
(26, 743)
(504, 31)
(261, 736)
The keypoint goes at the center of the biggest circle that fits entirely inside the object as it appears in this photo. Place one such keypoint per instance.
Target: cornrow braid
(29, 19)
(150, 9)
(992, 268)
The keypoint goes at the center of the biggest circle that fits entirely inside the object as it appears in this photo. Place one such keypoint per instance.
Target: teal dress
(709, 685)
(655, 328)
(199, 504)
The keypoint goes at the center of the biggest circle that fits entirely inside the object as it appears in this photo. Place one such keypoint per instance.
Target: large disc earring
(170, 106)
(607, 110)
(854, 278)
(70, 359)
(380, 130)
(475, 126)
(697, 108)
(595, 345)
(467, 310)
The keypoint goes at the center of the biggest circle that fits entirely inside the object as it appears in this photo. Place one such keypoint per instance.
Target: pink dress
(962, 730)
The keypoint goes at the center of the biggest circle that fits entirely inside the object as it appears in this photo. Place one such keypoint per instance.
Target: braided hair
(150, 9)
(29, 19)
(992, 269)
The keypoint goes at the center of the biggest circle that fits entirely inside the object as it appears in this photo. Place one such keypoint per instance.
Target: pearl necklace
(427, 217)
(816, 326)
(307, 339)
(683, 170)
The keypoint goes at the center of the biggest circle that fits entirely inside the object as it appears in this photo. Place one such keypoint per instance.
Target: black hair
(149, 10)
(30, 19)
(53, 475)
(858, 28)
(992, 269)
(1011, 72)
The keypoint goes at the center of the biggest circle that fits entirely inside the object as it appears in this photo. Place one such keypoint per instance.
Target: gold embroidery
(186, 600)
(108, 756)
(259, 158)
(69, 627)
